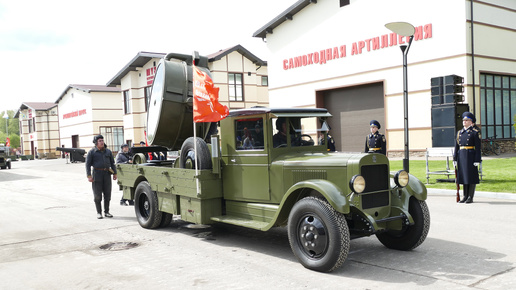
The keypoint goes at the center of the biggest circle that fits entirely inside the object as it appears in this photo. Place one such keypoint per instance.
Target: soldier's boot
(471, 193)
(465, 189)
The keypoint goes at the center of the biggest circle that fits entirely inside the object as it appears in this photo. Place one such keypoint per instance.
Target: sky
(47, 45)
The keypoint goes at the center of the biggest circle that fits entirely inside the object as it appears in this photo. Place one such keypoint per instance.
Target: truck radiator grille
(377, 181)
(300, 175)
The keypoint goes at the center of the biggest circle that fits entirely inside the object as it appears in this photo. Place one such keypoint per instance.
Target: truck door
(246, 172)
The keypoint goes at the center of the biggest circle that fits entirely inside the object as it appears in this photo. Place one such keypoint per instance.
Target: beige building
(89, 110)
(240, 75)
(39, 128)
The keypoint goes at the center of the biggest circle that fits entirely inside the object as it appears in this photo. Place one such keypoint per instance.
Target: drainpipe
(473, 58)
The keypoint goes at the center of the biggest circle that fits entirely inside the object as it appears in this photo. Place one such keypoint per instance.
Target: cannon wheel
(146, 206)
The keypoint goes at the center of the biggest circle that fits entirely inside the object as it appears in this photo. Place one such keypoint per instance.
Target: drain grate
(119, 246)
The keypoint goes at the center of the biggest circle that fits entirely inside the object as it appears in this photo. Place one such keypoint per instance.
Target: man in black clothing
(121, 158)
(103, 163)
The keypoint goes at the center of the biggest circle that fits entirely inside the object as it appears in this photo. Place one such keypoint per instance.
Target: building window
(236, 92)
(29, 122)
(113, 137)
(148, 91)
(497, 105)
(265, 81)
(127, 103)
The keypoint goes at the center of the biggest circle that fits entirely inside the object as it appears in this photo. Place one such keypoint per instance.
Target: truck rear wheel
(411, 236)
(166, 218)
(187, 158)
(146, 206)
(318, 234)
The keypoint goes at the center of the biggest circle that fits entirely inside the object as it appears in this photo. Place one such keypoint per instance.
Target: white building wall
(325, 25)
(71, 124)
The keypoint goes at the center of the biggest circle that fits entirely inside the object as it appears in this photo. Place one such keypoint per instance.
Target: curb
(495, 195)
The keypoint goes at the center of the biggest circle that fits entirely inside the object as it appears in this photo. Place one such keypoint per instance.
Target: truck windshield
(302, 131)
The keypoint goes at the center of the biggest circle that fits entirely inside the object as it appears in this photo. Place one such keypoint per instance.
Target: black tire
(411, 236)
(166, 218)
(9, 165)
(146, 206)
(318, 234)
(2, 167)
(187, 158)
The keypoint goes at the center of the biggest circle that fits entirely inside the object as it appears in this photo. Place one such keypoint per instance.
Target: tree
(13, 125)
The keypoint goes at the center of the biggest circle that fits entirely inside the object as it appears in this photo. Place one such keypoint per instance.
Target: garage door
(352, 109)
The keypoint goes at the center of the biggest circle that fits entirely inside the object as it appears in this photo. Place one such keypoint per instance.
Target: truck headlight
(401, 178)
(357, 184)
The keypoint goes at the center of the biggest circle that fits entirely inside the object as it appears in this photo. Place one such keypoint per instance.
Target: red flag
(8, 142)
(206, 106)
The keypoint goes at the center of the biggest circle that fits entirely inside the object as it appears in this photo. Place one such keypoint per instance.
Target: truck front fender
(415, 188)
(331, 192)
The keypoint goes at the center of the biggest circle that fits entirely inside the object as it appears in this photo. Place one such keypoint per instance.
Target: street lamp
(404, 29)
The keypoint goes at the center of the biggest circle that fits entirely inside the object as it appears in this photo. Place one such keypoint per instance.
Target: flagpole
(195, 150)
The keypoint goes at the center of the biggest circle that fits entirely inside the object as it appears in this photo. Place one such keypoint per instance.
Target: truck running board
(257, 225)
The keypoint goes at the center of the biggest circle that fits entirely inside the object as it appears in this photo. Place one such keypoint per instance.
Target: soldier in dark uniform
(375, 142)
(467, 156)
(103, 163)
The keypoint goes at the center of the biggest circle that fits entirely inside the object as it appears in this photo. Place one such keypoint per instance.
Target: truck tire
(318, 234)
(146, 206)
(411, 236)
(187, 158)
(166, 218)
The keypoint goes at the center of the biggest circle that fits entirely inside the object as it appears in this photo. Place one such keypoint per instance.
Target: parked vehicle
(5, 161)
(247, 176)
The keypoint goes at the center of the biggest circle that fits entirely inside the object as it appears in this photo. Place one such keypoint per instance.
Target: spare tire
(187, 157)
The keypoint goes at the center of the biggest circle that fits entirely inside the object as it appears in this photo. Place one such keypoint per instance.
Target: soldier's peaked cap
(469, 115)
(375, 123)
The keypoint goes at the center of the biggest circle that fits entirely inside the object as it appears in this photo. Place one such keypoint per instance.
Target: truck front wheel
(410, 236)
(318, 234)
(146, 206)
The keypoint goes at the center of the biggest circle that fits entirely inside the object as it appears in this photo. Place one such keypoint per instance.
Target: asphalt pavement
(50, 238)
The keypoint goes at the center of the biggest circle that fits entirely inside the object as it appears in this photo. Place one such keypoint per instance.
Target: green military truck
(5, 161)
(241, 172)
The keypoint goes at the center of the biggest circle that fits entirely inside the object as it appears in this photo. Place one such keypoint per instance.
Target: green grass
(499, 174)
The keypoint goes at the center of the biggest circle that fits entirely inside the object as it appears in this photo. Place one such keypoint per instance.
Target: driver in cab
(280, 138)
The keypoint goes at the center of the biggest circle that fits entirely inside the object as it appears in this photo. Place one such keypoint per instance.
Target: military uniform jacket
(122, 157)
(375, 143)
(100, 159)
(467, 151)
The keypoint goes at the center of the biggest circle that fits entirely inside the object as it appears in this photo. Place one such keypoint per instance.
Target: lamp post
(407, 30)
